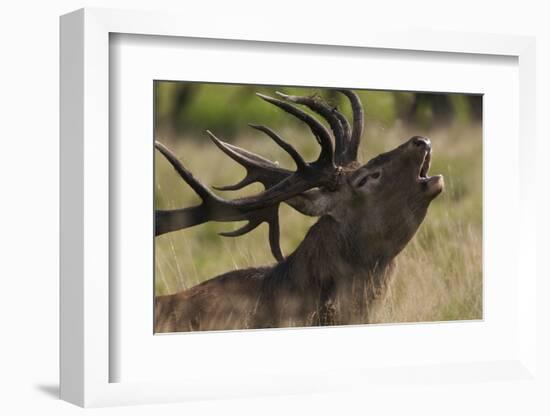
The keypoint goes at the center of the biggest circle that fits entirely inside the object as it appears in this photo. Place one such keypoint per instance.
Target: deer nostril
(422, 142)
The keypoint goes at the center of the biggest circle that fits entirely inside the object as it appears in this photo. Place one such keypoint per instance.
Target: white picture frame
(86, 353)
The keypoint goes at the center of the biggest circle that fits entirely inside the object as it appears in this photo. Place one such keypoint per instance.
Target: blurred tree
(185, 107)
(428, 109)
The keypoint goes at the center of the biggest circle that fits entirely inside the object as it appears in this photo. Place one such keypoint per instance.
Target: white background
(29, 209)
(138, 60)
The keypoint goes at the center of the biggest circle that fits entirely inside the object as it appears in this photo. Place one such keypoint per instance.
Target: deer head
(381, 203)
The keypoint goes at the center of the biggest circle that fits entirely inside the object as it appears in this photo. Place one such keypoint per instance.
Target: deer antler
(281, 185)
(338, 123)
(350, 153)
(258, 169)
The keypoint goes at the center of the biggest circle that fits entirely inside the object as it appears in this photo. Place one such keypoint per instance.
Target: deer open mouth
(425, 167)
(432, 185)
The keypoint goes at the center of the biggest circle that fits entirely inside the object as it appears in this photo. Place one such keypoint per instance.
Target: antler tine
(249, 226)
(258, 169)
(357, 132)
(345, 126)
(243, 183)
(319, 131)
(172, 220)
(338, 123)
(187, 176)
(274, 238)
(300, 162)
(274, 234)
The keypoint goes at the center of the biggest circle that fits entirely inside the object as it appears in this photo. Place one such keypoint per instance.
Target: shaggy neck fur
(330, 278)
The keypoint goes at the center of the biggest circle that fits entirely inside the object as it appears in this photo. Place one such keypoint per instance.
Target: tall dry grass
(439, 274)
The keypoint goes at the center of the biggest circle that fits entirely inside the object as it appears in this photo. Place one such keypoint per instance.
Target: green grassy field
(439, 274)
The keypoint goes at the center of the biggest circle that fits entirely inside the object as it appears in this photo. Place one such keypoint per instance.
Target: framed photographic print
(273, 214)
(340, 269)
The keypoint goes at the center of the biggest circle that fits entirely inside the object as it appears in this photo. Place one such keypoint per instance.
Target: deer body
(321, 283)
(367, 213)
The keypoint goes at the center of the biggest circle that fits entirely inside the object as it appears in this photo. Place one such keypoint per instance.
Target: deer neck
(332, 253)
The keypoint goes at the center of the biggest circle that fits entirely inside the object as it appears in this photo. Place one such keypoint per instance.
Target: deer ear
(313, 203)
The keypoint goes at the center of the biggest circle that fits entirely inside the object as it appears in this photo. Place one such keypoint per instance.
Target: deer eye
(365, 179)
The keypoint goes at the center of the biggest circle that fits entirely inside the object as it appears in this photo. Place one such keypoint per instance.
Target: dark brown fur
(340, 269)
(304, 290)
(367, 213)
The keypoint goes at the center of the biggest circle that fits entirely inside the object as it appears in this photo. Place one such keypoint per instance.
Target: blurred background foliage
(439, 274)
(175, 115)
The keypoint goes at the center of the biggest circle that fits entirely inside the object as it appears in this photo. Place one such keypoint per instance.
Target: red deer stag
(367, 215)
